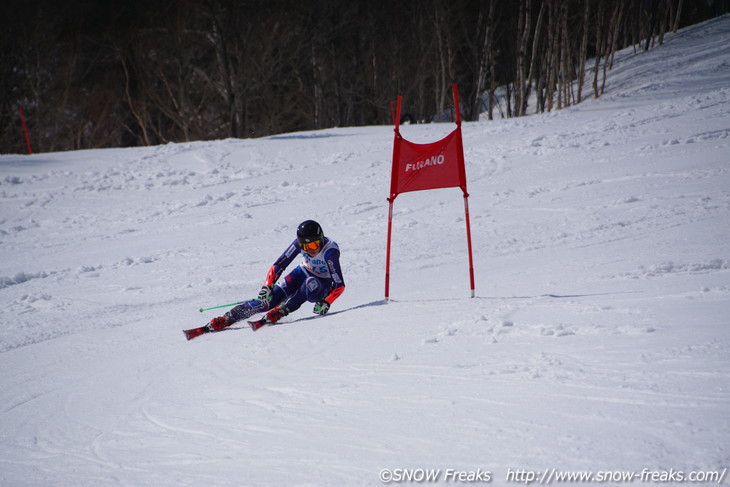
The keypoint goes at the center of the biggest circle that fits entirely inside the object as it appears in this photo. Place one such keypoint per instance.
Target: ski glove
(266, 294)
(321, 307)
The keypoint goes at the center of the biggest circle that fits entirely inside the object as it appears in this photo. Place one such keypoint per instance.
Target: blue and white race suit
(315, 279)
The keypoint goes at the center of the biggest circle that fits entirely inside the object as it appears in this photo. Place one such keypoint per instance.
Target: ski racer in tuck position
(318, 279)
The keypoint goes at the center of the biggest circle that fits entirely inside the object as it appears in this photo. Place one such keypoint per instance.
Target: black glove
(321, 307)
(266, 293)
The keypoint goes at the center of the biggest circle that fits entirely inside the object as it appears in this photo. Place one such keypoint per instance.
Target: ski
(196, 332)
(255, 325)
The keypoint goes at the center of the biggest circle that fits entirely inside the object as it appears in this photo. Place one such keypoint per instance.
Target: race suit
(315, 279)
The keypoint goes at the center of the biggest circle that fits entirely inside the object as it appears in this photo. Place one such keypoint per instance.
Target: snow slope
(599, 339)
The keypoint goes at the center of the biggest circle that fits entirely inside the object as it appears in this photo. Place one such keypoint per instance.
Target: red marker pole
(25, 130)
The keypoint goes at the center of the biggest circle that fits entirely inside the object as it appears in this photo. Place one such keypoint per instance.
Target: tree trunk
(583, 54)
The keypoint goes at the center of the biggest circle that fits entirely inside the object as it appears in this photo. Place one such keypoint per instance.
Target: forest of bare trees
(93, 74)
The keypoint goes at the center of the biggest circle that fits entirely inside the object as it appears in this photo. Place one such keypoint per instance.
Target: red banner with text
(428, 166)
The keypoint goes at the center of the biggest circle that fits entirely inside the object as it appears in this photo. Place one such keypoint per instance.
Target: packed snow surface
(598, 340)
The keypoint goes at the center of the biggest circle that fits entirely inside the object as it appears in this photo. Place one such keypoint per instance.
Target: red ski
(255, 325)
(196, 332)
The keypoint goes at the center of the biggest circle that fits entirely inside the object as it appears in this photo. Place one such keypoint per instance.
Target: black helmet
(309, 232)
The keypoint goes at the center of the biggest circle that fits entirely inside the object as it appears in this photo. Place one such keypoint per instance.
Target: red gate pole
(462, 177)
(387, 251)
(468, 243)
(25, 130)
(393, 189)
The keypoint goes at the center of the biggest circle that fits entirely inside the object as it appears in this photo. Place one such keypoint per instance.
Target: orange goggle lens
(312, 245)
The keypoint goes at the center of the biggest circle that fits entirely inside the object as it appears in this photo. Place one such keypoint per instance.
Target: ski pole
(221, 306)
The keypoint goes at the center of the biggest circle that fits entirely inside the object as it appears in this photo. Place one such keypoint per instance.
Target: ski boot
(217, 324)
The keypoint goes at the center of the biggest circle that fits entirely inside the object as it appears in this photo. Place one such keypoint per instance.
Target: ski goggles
(316, 245)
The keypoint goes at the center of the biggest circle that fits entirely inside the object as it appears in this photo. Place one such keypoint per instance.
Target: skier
(318, 279)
